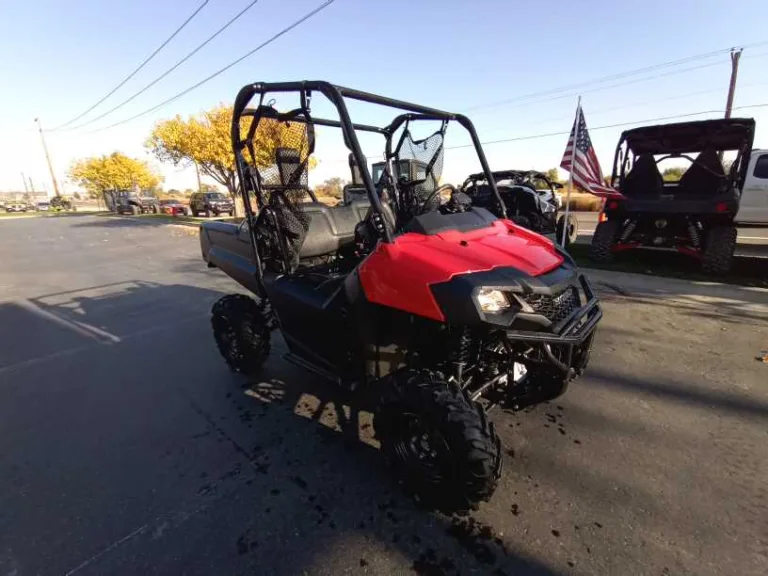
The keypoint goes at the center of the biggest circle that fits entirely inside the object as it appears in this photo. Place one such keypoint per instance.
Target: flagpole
(570, 173)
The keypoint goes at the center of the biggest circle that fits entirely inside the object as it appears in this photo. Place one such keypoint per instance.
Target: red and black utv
(430, 311)
(694, 215)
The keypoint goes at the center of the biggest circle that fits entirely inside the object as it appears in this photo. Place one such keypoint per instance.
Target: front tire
(719, 246)
(242, 332)
(440, 443)
(602, 241)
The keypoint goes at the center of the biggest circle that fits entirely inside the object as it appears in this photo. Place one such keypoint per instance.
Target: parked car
(211, 203)
(131, 202)
(173, 207)
(43, 206)
(16, 207)
(753, 203)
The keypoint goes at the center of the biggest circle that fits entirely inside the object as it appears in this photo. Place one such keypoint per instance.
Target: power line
(144, 63)
(609, 78)
(618, 125)
(284, 31)
(171, 69)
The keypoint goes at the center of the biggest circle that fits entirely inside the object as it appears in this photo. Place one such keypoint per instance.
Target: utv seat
(704, 178)
(644, 179)
(330, 228)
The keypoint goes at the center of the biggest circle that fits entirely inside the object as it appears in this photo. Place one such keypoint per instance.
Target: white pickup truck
(753, 206)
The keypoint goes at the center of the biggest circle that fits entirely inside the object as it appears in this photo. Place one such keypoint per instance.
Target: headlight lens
(492, 301)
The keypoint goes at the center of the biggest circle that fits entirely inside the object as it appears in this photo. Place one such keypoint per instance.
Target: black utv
(694, 215)
(530, 199)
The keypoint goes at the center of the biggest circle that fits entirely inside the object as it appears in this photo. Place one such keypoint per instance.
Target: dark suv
(209, 203)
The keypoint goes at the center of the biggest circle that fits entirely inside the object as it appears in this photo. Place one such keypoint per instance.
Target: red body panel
(399, 274)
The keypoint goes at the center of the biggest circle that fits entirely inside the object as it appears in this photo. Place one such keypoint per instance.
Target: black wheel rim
(421, 448)
(227, 338)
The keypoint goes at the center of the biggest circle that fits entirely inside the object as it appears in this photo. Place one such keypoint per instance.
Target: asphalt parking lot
(127, 447)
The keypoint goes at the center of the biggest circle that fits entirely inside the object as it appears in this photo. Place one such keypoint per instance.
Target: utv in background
(131, 202)
(695, 215)
(529, 198)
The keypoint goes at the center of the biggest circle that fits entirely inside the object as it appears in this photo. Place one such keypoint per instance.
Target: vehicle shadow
(749, 268)
(278, 474)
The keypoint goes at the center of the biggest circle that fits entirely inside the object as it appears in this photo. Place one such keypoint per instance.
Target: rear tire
(441, 445)
(242, 332)
(602, 241)
(719, 246)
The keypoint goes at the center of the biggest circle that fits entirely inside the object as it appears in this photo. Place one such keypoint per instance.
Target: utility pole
(48, 157)
(199, 186)
(735, 55)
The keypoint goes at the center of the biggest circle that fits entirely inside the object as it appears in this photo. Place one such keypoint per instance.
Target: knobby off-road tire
(460, 462)
(242, 332)
(719, 246)
(571, 233)
(602, 240)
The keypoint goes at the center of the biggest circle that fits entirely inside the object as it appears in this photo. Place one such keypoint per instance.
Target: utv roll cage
(516, 176)
(290, 170)
(682, 139)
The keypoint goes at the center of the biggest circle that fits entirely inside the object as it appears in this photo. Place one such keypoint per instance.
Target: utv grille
(555, 308)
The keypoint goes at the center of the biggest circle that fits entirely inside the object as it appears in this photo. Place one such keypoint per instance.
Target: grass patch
(745, 271)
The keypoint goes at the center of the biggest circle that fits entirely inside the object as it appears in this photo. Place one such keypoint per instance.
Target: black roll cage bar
(736, 175)
(336, 95)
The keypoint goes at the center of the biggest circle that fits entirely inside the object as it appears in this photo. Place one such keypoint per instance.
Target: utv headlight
(492, 301)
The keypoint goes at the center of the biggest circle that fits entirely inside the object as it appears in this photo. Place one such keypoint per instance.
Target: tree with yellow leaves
(115, 171)
(205, 140)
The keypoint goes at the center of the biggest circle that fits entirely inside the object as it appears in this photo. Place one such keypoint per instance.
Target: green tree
(113, 172)
(553, 174)
(673, 174)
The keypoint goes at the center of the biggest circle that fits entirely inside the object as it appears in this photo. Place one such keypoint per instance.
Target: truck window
(761, 167)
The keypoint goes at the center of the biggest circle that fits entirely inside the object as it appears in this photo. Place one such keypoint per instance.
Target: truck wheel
(572, 231)
(441, 445)
(135, 210)
(719, 246)
(242, 332)
(602, 240)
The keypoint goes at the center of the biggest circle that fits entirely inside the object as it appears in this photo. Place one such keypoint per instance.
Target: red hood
(399, 274)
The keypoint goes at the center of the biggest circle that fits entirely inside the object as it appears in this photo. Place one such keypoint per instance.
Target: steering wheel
(434, 193)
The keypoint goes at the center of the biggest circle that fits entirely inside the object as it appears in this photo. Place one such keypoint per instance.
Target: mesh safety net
(281, 150)
(427, 155)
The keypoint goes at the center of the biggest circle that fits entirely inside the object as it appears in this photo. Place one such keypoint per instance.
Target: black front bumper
(573, 329)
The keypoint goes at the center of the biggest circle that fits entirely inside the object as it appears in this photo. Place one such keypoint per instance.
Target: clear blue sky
(60, 57)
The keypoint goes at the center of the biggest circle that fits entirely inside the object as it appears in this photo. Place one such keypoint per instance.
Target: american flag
(587, 172)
